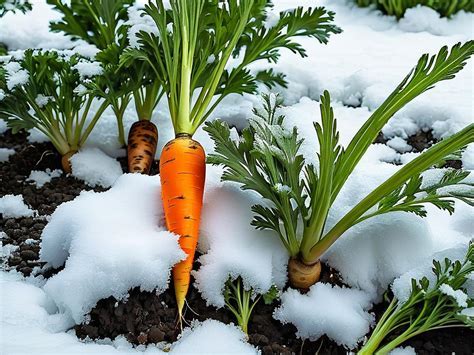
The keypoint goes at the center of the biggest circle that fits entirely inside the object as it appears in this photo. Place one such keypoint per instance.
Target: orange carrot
(182, 172)
(141, 148)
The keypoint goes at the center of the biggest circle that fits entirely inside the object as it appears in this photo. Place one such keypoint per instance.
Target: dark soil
(146, 317)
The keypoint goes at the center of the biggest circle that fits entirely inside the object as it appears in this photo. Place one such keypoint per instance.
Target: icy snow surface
(31, 324)
(232, 246)
(340, 313)
(13, 206)
(212, 337)
(39, 178)
(359, 67)
(408, 350)
(5, 154)
(109, 242)
(95, 167)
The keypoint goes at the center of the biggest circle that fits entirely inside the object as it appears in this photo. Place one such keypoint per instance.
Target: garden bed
(145, 317)
(303, 178)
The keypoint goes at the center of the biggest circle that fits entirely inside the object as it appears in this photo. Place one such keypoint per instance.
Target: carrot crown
(197, 39)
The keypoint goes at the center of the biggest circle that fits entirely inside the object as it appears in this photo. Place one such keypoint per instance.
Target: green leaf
(429, 71)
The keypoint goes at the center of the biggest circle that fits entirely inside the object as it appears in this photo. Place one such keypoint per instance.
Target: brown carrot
(142, 141)
(182, 172)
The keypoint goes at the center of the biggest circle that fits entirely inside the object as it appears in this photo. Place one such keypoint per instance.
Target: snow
(95, 168)
(17, 78)
(468, 157)
(399, 144)
(5, 154)
(42, 100)
(139, 23)
(39, 178)
(231, 246)
(408, 350)
(109, 243)
(3, 126)
(36, 136)
(212, 337)
(340, 313)
(88, 69)
(359, 67)
(401, 286)
(13, 206)
(459, 296)
(31, 324)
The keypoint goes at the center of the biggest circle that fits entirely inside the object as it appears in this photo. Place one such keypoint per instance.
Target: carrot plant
(45, 90)
(398, 8)
(188, 56)
(105, 24)
(441, 303)
(300, 195)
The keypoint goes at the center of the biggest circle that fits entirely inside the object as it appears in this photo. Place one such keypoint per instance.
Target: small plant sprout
(189, 55)
(45, 90)
(442, 303)
(300, 195)
(241, 301)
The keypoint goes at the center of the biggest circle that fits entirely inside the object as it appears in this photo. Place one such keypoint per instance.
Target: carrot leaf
(203, 49)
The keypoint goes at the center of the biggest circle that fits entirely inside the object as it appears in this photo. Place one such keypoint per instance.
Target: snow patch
(231, 246)
(39, 178)
(5, 154)
(408, 350)
(95, 167)
(212, 337)
(13, 206)
(340, 313)
(109, 243)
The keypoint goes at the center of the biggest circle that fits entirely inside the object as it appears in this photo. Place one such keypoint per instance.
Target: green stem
(416, 166)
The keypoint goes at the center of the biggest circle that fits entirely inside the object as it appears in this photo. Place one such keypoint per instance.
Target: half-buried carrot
(182, 172)
(141, 148)
(190, 62)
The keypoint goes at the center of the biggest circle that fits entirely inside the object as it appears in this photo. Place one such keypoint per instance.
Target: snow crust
(212, 337)
(232, 247)
(109, 243)
(31, 324)
(340, 313)
(401, 286)
(408, 350)
(5, 154)
(95, 167)
(359, 67)
(13, 206)
(39, 178)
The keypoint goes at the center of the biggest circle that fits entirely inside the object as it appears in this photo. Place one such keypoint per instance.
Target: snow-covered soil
(359, 67)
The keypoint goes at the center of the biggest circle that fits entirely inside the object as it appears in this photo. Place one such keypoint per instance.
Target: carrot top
(196, 40)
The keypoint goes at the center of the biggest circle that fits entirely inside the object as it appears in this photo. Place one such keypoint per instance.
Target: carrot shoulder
(182, 172)
(141, 148)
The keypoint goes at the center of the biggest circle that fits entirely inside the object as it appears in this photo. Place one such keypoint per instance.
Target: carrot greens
(435, 302)
(267, 160)
(45, 90)
(106, 25)
(197, 39)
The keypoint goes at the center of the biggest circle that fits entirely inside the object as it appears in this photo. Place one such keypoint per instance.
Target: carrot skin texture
(182, 173)
(65, 163)
(141, 148)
